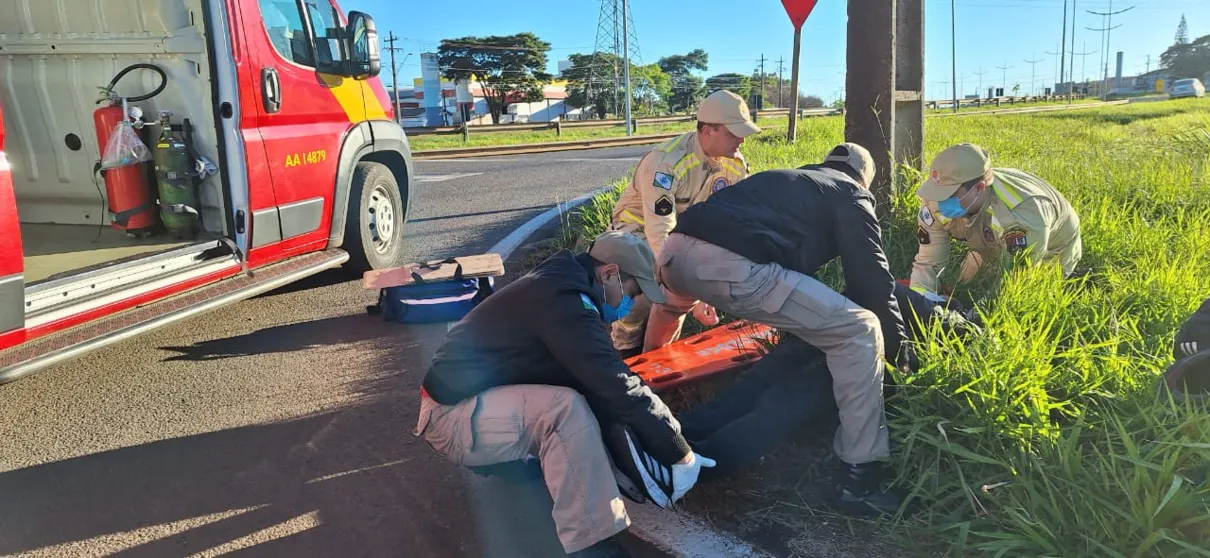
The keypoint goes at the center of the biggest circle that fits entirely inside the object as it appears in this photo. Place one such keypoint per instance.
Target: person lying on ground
(527, 372)
(999, 212)
(787, 394)
(751, 249)
(674, 175)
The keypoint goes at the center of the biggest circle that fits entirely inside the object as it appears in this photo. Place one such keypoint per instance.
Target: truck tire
(374, 223)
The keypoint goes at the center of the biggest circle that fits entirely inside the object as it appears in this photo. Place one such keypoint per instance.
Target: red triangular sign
(798, 10)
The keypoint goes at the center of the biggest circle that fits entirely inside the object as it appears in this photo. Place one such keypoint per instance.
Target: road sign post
(798, 10)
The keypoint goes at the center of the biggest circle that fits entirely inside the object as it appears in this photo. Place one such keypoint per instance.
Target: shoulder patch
(663, 181)
(719, 184)
(588, 305)
(1015, 240)
(926, 216)
(664, 206)
(922, 236)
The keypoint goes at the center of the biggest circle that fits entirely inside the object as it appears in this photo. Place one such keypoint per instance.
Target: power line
(1107, 34)
(1004, 76)
(1032, 70)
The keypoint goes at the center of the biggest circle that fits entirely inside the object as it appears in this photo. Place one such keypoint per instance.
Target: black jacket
(802, 219)
(547, 328)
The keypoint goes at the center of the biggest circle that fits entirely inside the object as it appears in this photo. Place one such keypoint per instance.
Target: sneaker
(608, 548)
(858, 489)
(648, 476)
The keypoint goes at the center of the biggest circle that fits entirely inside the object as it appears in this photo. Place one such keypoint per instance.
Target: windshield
(1184, 82)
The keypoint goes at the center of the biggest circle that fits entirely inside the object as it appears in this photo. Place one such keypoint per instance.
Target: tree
(686, 87)
(580, 77)
(651, 88)
(810, 101)
(735, 83)
(1182, 32)
(509, 68)
(1187, 60)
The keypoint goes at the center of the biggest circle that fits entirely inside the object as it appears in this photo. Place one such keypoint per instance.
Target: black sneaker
(650, 477)
(608, 548)
(858, 489)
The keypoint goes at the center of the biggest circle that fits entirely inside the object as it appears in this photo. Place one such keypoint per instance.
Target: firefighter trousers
(554, 423)
(796, 304)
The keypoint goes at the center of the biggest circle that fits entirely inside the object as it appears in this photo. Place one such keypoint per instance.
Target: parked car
(1191, 87)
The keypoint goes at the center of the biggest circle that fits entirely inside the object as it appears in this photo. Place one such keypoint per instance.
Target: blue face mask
(612, 313)
(951, 207)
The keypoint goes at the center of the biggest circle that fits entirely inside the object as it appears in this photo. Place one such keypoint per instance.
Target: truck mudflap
(47, 351)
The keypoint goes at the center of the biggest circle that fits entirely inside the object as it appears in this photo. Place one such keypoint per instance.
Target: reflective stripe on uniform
(731, 167)
(1007, 194)
(995, 224)
(628, 217)
(669, 146)
(685, 165)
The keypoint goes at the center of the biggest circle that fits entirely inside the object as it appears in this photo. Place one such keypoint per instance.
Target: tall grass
(1044, 435)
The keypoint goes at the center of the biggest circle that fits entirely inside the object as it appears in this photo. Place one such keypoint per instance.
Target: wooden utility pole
(391, 38)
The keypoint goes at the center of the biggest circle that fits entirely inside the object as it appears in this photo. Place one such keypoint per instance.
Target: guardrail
(998, 101)
(558, 126)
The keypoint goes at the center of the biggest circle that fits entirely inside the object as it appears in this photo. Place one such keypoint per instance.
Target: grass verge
(1044, 436)
(423, 143)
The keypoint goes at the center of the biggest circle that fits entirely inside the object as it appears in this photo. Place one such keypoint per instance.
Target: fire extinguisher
(128, 189)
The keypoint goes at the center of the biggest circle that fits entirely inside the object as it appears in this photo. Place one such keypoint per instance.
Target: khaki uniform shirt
(1024, 215)
(670, 178)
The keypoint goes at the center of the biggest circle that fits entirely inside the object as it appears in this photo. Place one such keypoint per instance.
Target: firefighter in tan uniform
(999, 212)
(676, 174)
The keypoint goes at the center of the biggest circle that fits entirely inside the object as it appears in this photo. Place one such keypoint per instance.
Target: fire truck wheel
(374, 225)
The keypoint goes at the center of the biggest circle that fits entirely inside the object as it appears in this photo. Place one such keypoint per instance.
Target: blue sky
(991, 33)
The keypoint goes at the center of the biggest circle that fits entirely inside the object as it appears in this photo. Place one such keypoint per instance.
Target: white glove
(684, 476)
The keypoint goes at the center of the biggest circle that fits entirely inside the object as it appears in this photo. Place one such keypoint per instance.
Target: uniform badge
(926, 216)
(719, 184)
(988, 235)
(663, 181)
(664, 206)
(1014, 240)
(922, 236)
(587, 303)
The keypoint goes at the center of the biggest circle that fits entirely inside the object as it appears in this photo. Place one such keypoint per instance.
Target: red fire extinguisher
(130, 193)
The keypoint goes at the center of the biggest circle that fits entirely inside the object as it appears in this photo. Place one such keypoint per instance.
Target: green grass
(1044, 436)
(454, 141)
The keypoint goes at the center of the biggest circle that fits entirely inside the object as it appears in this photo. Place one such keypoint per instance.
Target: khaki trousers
(510, 423)
(849, 335)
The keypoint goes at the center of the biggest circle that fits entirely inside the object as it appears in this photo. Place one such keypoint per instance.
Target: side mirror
(365, 61)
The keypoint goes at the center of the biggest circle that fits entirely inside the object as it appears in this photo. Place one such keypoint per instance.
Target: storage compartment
(55, 60)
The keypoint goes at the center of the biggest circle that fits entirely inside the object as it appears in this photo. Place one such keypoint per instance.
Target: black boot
(858, 489)
(608, 548)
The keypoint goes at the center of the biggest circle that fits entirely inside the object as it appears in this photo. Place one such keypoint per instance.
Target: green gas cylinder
(174, 179)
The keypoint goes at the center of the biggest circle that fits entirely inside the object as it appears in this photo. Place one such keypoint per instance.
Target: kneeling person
(528, 371)
(996, 211)
(751, 249)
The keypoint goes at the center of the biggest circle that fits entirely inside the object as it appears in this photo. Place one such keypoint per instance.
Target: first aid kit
(439, 297)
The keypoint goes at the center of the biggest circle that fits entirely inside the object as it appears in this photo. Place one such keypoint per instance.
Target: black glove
(907, 363)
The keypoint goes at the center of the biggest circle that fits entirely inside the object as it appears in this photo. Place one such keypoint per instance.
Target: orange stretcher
(720, 349)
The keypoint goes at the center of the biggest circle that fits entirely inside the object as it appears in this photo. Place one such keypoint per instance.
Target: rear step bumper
(53, 349)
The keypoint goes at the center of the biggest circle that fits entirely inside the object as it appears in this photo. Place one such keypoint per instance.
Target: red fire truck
(163, 158)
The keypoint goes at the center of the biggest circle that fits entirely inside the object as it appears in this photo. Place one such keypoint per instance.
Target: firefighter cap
(725, 107)
(857, 158)
(633, 256)
(952, 168)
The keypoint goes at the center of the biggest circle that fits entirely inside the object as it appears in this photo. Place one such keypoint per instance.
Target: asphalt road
(280, 425)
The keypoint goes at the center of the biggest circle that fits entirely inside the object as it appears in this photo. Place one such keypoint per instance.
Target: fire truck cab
(269, 152)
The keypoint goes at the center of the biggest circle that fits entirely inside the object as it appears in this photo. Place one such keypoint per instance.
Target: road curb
(507, 245)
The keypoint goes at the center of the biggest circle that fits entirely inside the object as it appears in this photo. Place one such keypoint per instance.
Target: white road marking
(683, 536)
(444, 177)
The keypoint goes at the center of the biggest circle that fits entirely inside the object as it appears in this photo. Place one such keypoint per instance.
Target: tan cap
(952, 168)
(632, 255)
(856, 157)
(725, 107)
